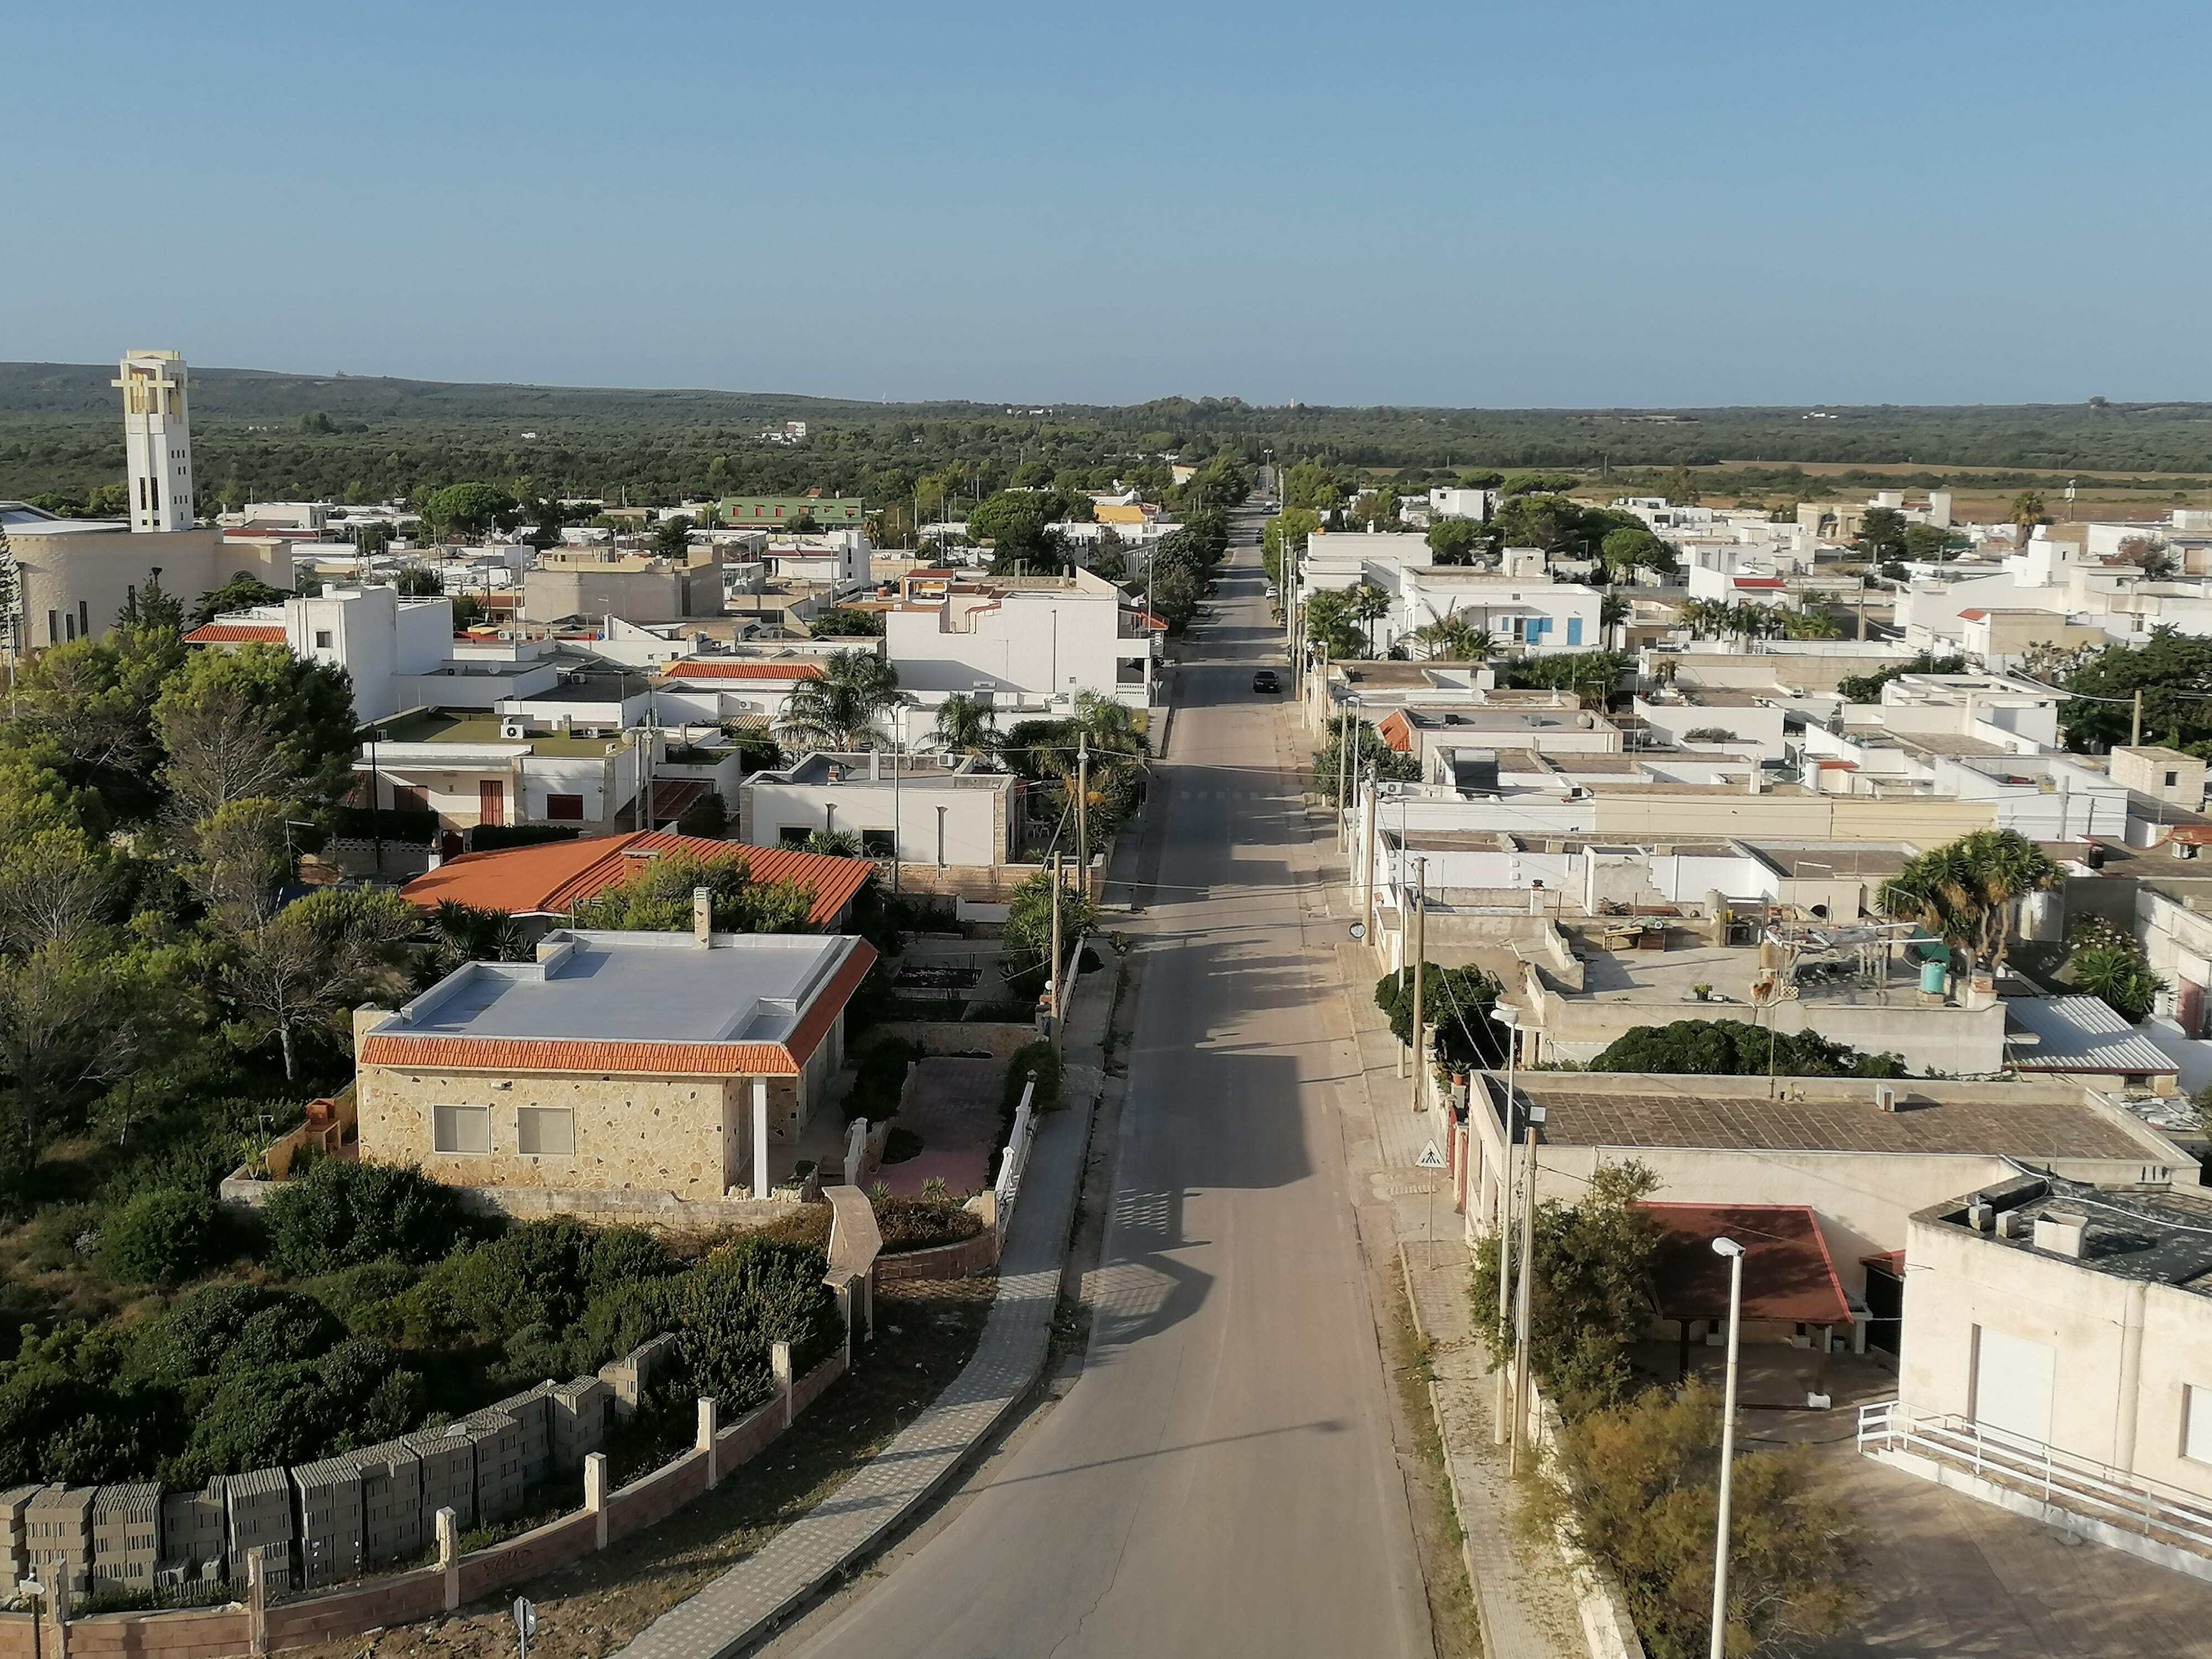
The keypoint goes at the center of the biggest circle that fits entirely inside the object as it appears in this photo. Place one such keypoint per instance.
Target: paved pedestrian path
(746, 1603)
(1527, 1607)
(1522, 1593)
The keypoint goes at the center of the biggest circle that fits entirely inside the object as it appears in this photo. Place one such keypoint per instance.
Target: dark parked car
(1265, 680)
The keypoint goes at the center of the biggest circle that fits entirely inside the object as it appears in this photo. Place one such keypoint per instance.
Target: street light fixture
(1734, 1252)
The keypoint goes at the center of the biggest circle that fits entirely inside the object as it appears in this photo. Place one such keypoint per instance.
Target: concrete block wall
(498, 1440)
(576, 1418)
(126, 1536)
(332, 1546)
(14, 1565)
(448, 1462)
(194, 1528)
(392, 1527)
(258, 1510)
(57, 1537)
(630, 1377)
(408, 1597)
(532, 1415)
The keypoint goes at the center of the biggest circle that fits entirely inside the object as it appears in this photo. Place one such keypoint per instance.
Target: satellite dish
(1359, 930)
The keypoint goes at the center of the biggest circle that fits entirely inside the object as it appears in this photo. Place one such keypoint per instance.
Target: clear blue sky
(1557, 203)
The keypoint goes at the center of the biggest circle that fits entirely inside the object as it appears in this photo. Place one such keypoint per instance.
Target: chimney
(2008, 1224)
(702, 917)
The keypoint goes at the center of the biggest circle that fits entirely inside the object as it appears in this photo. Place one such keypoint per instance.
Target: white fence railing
(2096, 1492)
(1017, 1154)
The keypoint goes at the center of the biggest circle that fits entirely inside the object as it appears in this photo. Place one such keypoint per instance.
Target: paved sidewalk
(1522, 1593)
(1527, 1607)
(746, 1603)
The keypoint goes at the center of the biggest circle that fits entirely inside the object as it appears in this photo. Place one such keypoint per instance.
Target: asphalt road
(1220, 1480)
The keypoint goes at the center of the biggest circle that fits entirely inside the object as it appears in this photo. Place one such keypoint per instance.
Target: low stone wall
(965, 1260)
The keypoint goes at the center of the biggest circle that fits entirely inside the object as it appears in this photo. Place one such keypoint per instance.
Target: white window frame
(439, 1119)
(526, 1117)
(2197, 1422)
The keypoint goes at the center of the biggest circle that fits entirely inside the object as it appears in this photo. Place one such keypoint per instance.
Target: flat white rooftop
(633, 987)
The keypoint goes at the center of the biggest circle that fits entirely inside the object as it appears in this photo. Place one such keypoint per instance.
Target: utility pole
(1505, 1235)
(1083, 810)
(1521, 1321)
(1344, 768)
(1420, 966)
(2135, 725)
(1367, 850)
(899, 796)
(1052, 969)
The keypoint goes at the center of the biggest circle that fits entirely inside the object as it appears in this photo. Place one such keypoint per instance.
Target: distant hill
(260, 393)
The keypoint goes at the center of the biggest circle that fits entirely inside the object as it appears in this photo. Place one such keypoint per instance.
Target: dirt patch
(1437, 1527)
(926, 1332)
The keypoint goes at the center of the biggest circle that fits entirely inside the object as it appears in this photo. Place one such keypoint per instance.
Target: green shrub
(296, 1327)
(920, 1224)
(161, 1237)
(1729, 1047)
(341, 1214)
(350, 1289)
(620, 1255)
(354, 1395)
(742, 1297)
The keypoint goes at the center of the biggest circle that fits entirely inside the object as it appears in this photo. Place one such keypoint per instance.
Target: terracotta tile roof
(1789, 1276)
(696, 670)
(633, 1058)
(237, 634)
(555, 877)
(1397, 731)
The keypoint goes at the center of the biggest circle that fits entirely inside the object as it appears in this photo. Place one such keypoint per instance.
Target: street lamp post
(1734, 1252)
(34, 1592)
(1509, 1018)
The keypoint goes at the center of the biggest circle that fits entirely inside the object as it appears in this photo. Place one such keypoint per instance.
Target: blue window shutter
(1574, 630)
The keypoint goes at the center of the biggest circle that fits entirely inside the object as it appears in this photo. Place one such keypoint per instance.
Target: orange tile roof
(694, 670)
(237, 634)
(553, 878)
(1397, 731)
(630, 1057)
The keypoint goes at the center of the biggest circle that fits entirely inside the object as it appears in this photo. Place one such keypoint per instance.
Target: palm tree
(968, 725)
(1612, 613)
(1705, 617)
(1369, 603)
(1967, 893)
(842, 708)
(2027, 514)
(1455, 639)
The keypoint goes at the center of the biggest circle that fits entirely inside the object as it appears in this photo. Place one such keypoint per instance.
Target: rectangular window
(878, 844)
(83, 620)
(322, 639)
(2196, 1423)
(53, 628)
(68, 626)
(545, 1131)
(790, 836)
(409, 797)
(565, 809)
(460, 1129)
(2172, 779)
